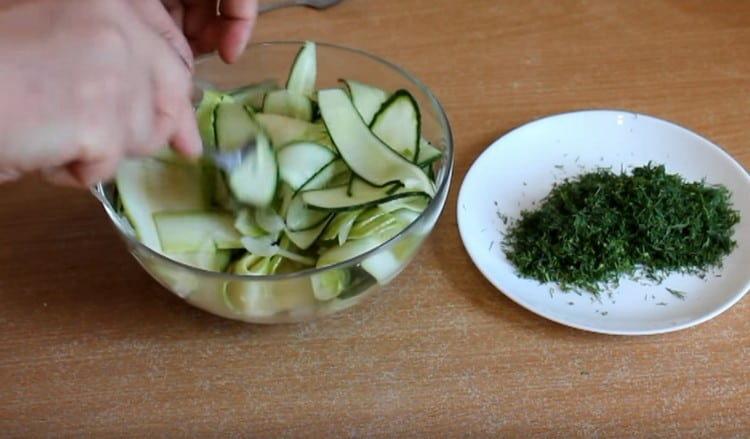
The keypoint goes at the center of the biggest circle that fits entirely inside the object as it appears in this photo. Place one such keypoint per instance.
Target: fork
(228, 161)
(315, 4)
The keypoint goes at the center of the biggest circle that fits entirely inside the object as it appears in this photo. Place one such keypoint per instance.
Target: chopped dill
(677, 293)
(592, 230)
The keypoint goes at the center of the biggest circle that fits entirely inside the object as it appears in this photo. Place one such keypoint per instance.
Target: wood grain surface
(91, 346)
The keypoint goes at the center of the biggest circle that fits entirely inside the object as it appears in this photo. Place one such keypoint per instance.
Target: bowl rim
(443, 185)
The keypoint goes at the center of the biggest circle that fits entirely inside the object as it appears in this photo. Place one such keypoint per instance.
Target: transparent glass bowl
(289, 297)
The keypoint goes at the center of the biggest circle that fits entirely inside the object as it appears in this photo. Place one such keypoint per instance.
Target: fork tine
(228, 161)
(316, 4)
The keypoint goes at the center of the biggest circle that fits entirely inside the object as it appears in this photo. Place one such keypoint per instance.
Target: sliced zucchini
(398, 124)
(386, 265)
(269, 220)
(289, 266)
(352, 249)
(304, 71)
(216, 260)
(366, 98)
(299, 162)
(429, 170)
(187, 285)
(352, 179)
(234, 126)
(283, 130)
(290, 252)
(370, 215)
(406, 216)
(186, 231)
(417, 203)
(167, 155)
(341, 225)
(427, 153)
(222, 197)
(378, 224)
(266, 247)
(364, 152)
(330, 284)
(351, 197)
(254, 181)
(209, 176)
(261, 299)
(284, 199)
(305, 239)
(256, 299)
(328, 176)
(267, 265)
(252, 95)
(244, 264)
(245, 224)
(342, 177)
(300, 218)
(149, 186)
(382, 266)
(205, 117)
(290, 104)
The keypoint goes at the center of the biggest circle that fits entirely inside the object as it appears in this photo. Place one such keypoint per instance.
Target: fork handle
(268, 7)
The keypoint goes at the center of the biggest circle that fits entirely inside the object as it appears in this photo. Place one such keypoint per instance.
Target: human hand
(228, 31)
(87, 82)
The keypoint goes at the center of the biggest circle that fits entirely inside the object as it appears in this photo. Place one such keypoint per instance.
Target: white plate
(520, 168)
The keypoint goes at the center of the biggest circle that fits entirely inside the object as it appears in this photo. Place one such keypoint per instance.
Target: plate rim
(733, 300)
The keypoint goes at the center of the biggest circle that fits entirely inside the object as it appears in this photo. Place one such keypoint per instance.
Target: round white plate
(520, 168)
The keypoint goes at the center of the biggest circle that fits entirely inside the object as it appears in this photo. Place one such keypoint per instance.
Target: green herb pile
(592, 230)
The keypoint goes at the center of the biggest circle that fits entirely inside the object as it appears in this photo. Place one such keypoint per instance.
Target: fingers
(233, 38)
(239, 9)
(237, 20)
(60, 176)
(154, 13)
(198, 16)
(176, 11)
(174, 119)
(88, 173)
(186, 140)
(207, 39)
(176, 126)
(141, 137)
(127, 94)
(228, 31)
(82, 174)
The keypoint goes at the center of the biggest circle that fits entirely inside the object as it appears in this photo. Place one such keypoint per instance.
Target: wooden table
(92, 346)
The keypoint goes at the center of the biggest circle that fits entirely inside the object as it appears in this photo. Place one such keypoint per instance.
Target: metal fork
(315, 4)
(228, 161)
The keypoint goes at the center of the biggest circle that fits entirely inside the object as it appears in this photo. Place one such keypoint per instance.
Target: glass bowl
(289, 297)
